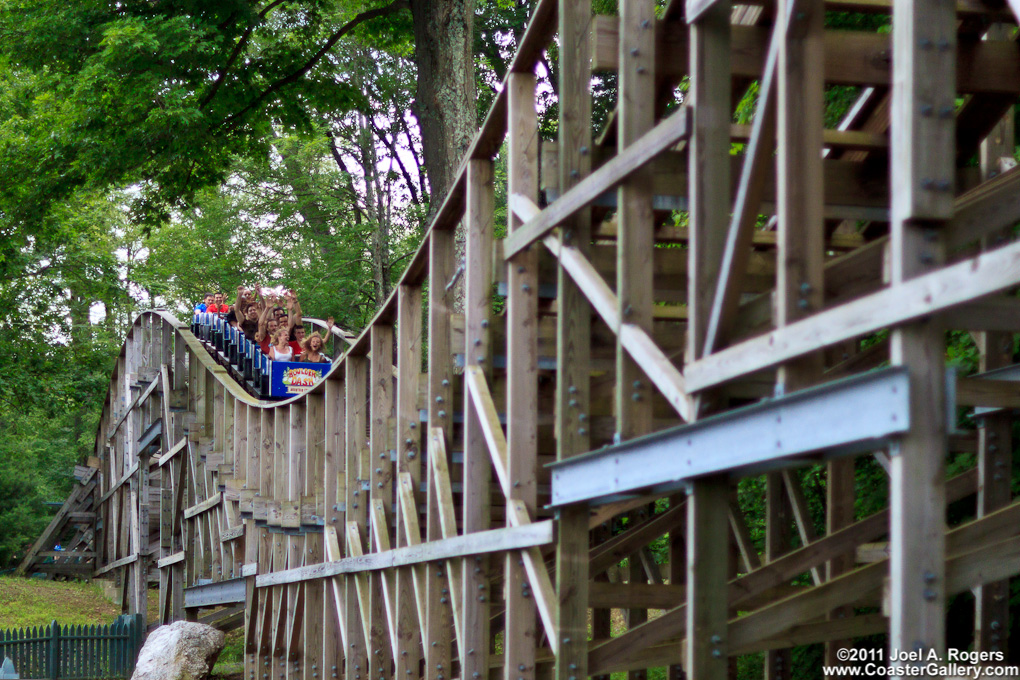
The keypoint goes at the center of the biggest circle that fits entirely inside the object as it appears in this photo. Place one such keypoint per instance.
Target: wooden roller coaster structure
(447, 502)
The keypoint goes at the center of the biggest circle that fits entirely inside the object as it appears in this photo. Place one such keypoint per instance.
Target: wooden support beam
(721, 309)
(660, 138)
(568, 628)
(313, 486)
(922, 161)
(922, 296)
(411, 619)
(521, 446)
(995, 431)
(382, 412)
(476, 511)
(613, 655)
(438, 653)
(356, 472)
(709, 180)
(334, 493)
(852, 58)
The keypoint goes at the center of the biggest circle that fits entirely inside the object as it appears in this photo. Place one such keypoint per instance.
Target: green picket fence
(57, 652)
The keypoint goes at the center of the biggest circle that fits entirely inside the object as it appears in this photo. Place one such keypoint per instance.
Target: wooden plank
(410, 614)
(657, 366)
(518, 514)
(709, 181)
(360, 581)
(995, 431)
(170, 560)
(336, 584)
(126, 477)
(116, 564)
(969, 545)
(382, 412)
(851, 58)
(660, 138)
(618, 547)
(232, 534)
(334, 490)
(566, 625)
(988, 393)
(477, 473)
(412, 536)
(521, 443)
(922, 159)
(206, 505)
(177, 448)
(921, 296)
(386, 579)
(356, 471)
(448, 583)
(635, 242)
(438, 652)
(612, 654)
(750, 190)
(707, 554)
(313, 487)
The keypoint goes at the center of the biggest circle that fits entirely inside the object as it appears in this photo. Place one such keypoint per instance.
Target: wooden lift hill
(464, 522)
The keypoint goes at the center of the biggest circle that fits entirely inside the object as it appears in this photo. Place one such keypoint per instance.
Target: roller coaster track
(478, 480)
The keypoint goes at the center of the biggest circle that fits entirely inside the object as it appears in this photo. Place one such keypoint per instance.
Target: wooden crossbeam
(608, 656)
(381, 540)
(443, 489)
(656, 365)
(205, 506)
(517, 514)
(333, 554)
(922, 296)
(361, 583)
(659, 139)
(119, 483)
(851, 57)
(619, 547)
(412, 535)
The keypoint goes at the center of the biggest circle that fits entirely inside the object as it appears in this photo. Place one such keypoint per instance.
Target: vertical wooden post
(356, 472)
(252, 533)
(995, 441)
(635, 240)
(801, 239)
(278, 603)
(438, 656)
(313, 497)
(381, 478)
(922, 174)
(522, 370)
(265, 555)
(409, 448)
(573, 338)
(335, 500)
(475, 599)
(708, 194)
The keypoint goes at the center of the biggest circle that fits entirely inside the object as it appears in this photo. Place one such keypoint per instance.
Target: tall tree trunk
(445, 105)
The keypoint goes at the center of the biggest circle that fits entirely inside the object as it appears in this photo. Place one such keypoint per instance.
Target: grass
(34, 602)
(230, 663)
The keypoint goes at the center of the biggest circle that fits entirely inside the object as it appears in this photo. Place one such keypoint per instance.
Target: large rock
(179, 651)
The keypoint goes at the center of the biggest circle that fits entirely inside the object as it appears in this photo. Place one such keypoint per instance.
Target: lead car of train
(263, 377)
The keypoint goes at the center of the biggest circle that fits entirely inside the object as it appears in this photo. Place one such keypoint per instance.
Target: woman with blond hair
(280, 349)
(312, 350)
